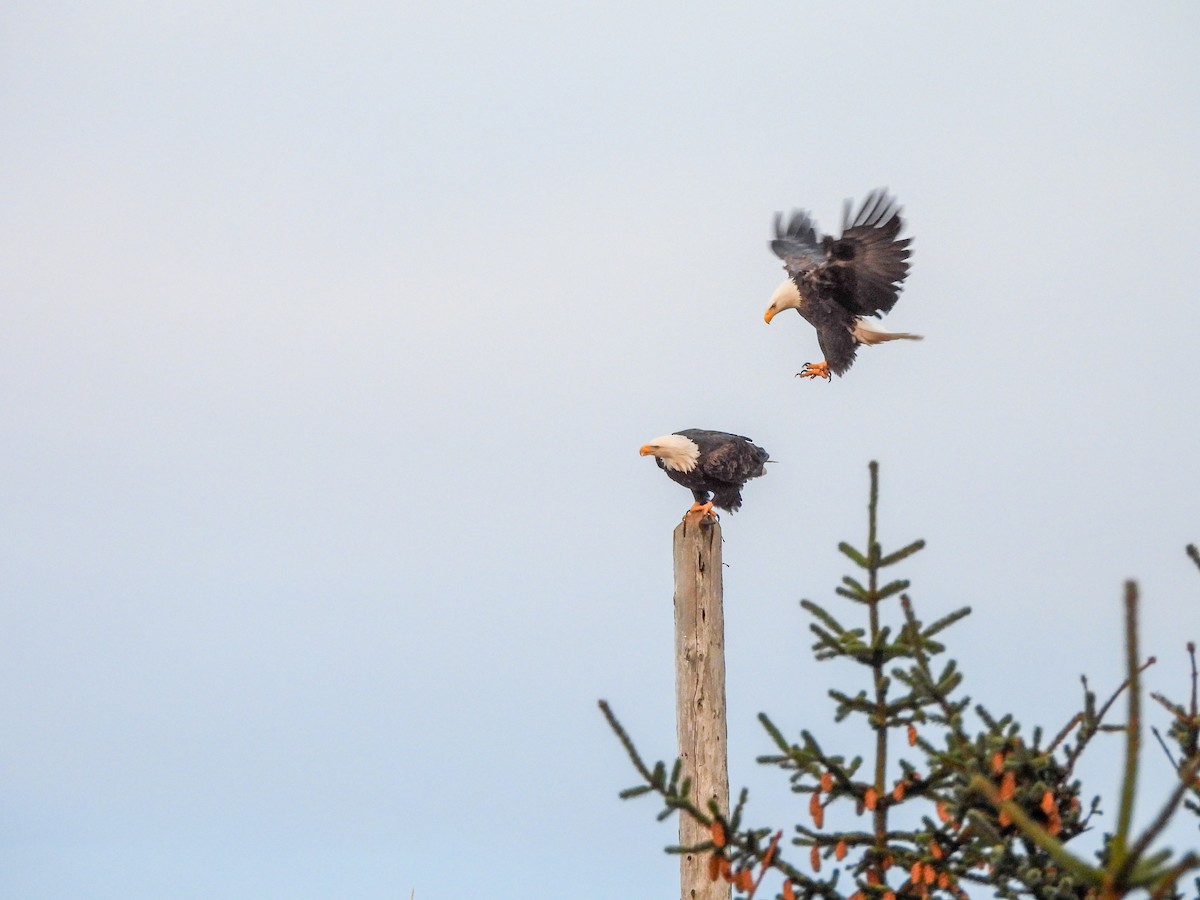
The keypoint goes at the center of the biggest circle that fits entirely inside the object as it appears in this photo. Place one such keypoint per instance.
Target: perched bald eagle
(713, 465)
(837, 283)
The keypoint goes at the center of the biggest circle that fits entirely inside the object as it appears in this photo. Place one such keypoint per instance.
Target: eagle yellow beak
(647, 450)
(769, 314)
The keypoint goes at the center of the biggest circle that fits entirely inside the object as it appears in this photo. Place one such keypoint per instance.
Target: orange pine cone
(817, 811)
(1008, 785)
(714, 867)
(718, 834)
(1054, 826)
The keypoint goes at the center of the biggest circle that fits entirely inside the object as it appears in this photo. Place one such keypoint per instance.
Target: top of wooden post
(700, 692)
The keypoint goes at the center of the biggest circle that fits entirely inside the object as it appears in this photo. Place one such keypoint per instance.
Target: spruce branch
(818, 612)
(857, 558)
(675, 795)
(1035, 832)
(905, 553)
(946, 621)
(626, 741)
(1187, 779)
(1133, 735)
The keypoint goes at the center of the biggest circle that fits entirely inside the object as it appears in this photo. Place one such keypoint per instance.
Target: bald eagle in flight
(713, 465)
(836, 284)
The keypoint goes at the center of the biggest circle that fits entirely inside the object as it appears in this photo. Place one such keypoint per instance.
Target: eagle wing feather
(835, 335)
(726, 463)
(798, 244)
(725, 456)
(862, 270)
(867, 264)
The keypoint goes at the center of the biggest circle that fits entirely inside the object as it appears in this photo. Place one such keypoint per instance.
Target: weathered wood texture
(700, 692)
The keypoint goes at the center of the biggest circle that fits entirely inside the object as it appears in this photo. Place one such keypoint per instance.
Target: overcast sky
(328, 336)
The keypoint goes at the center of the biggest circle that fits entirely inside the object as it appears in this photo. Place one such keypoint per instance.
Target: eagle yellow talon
(815, 370)
(701, 512)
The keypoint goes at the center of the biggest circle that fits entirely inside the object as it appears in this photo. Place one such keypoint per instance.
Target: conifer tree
(951, 797)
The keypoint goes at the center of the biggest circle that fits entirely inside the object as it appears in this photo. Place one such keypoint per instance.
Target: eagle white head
(678, 453)
(786, 296)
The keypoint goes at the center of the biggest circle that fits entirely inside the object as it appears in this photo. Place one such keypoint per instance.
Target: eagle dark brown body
(713, 465)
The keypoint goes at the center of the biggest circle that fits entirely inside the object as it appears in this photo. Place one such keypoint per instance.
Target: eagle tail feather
(866, 334)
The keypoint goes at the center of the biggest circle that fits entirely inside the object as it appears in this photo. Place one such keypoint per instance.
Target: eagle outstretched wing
(867, 264)
(862, 270)
(798, 244)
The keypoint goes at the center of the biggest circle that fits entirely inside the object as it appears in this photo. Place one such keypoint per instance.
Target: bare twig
(1187, 777)
(767, 860)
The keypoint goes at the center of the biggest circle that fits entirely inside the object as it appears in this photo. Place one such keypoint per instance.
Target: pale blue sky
(328, 337)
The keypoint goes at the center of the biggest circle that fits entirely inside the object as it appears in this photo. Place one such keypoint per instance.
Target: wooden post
(700, 692)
